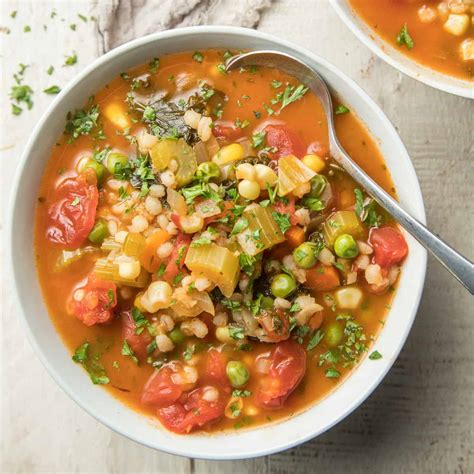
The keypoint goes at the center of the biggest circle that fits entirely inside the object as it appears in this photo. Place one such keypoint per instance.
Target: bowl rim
(180, 447)
(415, 70)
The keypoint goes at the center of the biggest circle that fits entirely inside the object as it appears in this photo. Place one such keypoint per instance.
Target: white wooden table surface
(420, 420)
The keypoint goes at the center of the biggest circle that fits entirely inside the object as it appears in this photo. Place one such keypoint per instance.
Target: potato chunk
(115, 112)
(457, 24)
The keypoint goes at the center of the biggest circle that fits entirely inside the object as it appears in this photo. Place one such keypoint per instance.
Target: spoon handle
(459, 266)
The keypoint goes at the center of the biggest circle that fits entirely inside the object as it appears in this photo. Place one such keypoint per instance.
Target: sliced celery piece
(134, 245)
(261, 232)
(216, 263)
(109, 270)
(169, 149)
(110, 244)
(68, 257)
(292, 173)
(342, 222)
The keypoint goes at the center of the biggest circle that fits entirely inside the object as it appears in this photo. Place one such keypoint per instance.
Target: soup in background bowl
(203, 258)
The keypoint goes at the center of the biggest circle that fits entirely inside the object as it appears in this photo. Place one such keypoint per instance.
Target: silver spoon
(458, 265)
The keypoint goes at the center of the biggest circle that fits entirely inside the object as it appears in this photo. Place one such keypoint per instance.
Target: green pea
(99, 232)
(345, 246)
(283, 285)
(98, 168)
(333, 334)
(208, 170)
(176, 335)
(305, 255)
(267, 302)
(237, 373)
(116, 161)
(318, 184)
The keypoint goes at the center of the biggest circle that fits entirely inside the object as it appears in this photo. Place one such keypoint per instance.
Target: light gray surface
(419, 420)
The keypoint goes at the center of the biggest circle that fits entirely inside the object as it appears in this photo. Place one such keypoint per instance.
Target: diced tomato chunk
(276, 325)
(389, 246)
(191, 411)
(160, 390)
(284, 140)
(317, 148)
(229, 134)
(99, 298)
(72, 214)
(137, 342)
(176, 261)
(215, 370)
(287, 369)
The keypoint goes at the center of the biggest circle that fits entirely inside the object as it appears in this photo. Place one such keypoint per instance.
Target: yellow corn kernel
(137, 302)
(191, 224)
(116, 114)
(222, 334)
(229, 154)
(314, 162)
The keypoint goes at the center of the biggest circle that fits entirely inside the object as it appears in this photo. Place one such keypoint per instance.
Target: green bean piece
(333, 334)
(283, 285)
(176, 335)
(237, 373)
(305, 255)
(115, 162)
(345, 246)
(98, 168)
(99, 232)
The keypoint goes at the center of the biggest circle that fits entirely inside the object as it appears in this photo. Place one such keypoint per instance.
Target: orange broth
(307, 119)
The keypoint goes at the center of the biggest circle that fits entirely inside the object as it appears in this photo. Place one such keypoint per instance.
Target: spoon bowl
(459, 266)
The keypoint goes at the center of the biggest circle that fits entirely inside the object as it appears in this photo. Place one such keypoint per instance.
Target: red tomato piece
(215, 371)
(137, 342)
(160, 390)
(287, 368)
(229, 134)
(176, 261)
(288, 209)
(192, 411)
(276, 325)
(285, 140)
(72, 214)
(98, 302)
(389, 246)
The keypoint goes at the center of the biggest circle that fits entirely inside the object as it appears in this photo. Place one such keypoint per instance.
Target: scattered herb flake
(198, 57)
(404, 38)
(375, 355)
(341, 109)
(52, 90)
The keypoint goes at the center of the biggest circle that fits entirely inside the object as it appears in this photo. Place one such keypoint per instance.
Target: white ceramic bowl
(74, 380)
(398, 60)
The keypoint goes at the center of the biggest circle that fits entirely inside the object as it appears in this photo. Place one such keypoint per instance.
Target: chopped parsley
(375, 355)
(127, 351)
(153, 65)
(283, 221)
(141, 322)
(404, 38)
(236, 333)
(70, 60)
(292, 94)
(276, 84)
(52, 90)
(332, 373)
(95, 370)
(316, 338)
(50, 70)
(341, 109)
(247, 263)
(232, 305)
(239, 226)
(258, 139)
(241, 393)
(161, 270)
(27, 29)
(366, 209)
(198, 57)
(313, 204)
(84, 122)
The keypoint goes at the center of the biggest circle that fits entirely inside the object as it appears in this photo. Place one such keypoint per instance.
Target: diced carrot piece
(322, 278)
(295, 236)
(149, 258)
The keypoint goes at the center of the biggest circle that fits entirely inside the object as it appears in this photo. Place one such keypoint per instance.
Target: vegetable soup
(437, 34)
(202, 255)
